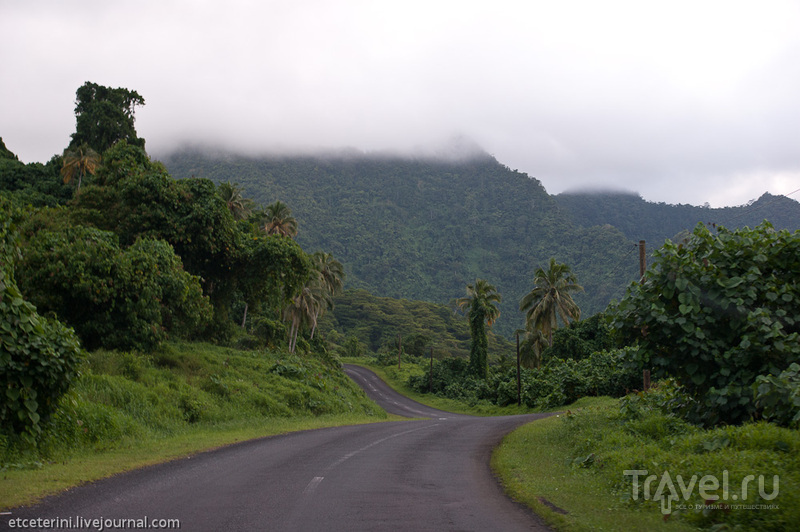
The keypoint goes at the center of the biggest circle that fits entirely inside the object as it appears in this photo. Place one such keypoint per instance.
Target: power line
(776, 199)
(625, 260)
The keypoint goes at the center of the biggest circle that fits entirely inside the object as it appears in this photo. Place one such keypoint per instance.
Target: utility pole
(519, 380)
(642, 260)
(430, 375)
(399, 349)
(642, 268)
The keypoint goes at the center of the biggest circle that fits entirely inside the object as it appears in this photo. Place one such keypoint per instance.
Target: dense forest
(655, 222)
(423, 228)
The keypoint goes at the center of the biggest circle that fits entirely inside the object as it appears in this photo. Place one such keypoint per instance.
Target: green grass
(129, 410)
(576, 462)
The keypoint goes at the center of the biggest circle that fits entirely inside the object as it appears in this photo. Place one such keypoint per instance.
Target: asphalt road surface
(424, 474)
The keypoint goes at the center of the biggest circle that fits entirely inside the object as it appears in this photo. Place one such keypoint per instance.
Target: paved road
(430, 474)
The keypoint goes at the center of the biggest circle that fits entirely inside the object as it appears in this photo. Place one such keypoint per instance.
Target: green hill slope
(423, 229)
(655, 222)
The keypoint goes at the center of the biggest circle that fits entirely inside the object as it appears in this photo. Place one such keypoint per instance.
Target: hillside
(655, 222)
(424, 228)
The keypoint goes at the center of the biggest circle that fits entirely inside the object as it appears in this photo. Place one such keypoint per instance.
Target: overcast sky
(682, 101)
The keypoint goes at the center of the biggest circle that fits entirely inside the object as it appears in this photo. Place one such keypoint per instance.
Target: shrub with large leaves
(39, 357)
(716, 312)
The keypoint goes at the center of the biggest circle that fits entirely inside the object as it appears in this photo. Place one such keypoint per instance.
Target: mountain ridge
(423, 228)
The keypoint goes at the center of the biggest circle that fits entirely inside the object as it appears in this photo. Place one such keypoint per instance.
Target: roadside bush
(557, 383)
(39, 357)
(561, 382)
(779, 397)
(602, 444)
(716, 312)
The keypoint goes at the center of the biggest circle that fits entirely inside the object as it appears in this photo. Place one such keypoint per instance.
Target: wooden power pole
(642, 269)
(430, 376)
(519, 380)
(642, 260)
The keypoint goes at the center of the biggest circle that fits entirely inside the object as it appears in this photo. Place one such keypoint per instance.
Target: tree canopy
(105, 116)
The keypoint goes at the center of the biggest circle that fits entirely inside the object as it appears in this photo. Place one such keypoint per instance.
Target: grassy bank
(130, 410)
(570, 469)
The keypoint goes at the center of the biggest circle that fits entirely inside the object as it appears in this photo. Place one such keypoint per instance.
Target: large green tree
(480, 303)
(105, 116)
(115, 298)
(135, 197)
(551, 299)
(717, 311)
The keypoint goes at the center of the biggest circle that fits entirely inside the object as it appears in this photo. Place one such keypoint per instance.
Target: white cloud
(676, 100)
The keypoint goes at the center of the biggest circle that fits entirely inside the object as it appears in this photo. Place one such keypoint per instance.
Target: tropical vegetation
(422, 228)
(717, 311)
(137, 307)
(129, 259)
(480, 305)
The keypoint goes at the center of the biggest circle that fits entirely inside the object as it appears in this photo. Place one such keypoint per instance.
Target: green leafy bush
(114, 298)
(779, 397)
(716, 312)
(557, 383)
(39, 357)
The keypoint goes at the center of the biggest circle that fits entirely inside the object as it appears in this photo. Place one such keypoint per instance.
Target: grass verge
(129, 410)
(570, 470)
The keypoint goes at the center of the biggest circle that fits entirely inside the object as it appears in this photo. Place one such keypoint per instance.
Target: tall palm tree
(302, 311)
(278, 220)
(239, 206)
(481, 304)
(330, 276)
(78, 162)
(550, 299)
(330, 271)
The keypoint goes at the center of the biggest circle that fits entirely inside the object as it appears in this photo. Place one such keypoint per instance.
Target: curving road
(430, 474)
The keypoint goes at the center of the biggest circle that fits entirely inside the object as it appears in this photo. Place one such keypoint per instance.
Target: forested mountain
(424, 228)
(655, 222)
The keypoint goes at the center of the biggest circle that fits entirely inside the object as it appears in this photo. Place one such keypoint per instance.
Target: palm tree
(550, 299)
(239, 206)
(303, 311)
(330, 276)
(78, 162)
(481, 304)
(531, 347)
(330, 271)
(277, 219)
